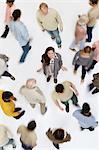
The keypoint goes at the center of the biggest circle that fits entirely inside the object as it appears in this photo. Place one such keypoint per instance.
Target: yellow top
(8, 107)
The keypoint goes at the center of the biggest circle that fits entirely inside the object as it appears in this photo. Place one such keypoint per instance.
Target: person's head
(8, 96)
(30, 83)
(50, 52)
(10, 2)
(59, 134)
(43, 8)
(85, 108)
(93, 2)
(31, 125)
(16, 14)
(59, 88)
(83, 20)
(87, 49)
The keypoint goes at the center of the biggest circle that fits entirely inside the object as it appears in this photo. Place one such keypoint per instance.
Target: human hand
(64, 68)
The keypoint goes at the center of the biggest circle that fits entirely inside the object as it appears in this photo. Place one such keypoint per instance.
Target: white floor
(68, 9)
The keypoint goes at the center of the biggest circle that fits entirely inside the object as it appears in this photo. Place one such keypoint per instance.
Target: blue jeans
(55, 34)
(11, 142)
(26, 49)
(89, 33)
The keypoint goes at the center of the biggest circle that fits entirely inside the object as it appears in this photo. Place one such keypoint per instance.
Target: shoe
(30, 47)
(48, 78)
(17, 109)
(52, 37)
(45, 111)
(55, 80)
(77, 105)
(14, 147)
(56, 145)
(72, 49)
(82, 81)
(59, 46)
(13, 78)
(67, 108)
(81, 128)
(88, 40)
(20, 115)
(75, 72)
(91, 129)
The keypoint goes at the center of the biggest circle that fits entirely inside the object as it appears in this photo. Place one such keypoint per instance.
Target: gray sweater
(83, 61)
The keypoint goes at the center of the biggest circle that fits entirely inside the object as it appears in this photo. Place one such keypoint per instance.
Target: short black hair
(31, 125)
(59, 88)
(59, 134)
(85, 108)
(16, 14)
(94, 2)
(10, 1)
(6, 96)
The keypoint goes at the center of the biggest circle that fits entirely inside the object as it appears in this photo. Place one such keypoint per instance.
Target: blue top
(20, 32)
(84, 121)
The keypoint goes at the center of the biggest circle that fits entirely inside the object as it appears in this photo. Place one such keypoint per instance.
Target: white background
(69, 10)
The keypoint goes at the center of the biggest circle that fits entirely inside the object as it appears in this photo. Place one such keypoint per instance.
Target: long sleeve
(60, 61)
(91, 60)
(39, 21)
(59, 20)
(24, 33)
(75, 58)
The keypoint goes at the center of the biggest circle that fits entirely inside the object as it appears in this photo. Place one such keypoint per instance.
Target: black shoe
(67, 108)
(95, 91)
(14, 146)
(59, 46)
(55, 80)
(13, 78)
(30, 47)
(52, 37)
(87, 40)
(48, 78)
(77, 105)
(81, 128)
(56, 145)
(20, 115)
(91, 129)
(17, 109)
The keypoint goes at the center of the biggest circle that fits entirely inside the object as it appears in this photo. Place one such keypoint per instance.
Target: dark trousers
(26, 49)
(4, 35)
(25, 147)
(91, 87)
(74, 101)
(83, 71)
(89, 33)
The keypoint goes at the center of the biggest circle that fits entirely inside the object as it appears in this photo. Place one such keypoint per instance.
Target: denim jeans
(89, 33)
(26, 49)
(55, 34)
(11, 142)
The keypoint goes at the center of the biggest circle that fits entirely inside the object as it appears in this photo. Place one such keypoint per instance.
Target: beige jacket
(27, 137)
(5, 135)
(33, 95)
(93, 15)
(51, 21)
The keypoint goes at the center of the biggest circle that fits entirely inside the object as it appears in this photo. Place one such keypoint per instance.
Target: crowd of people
(87, 57)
